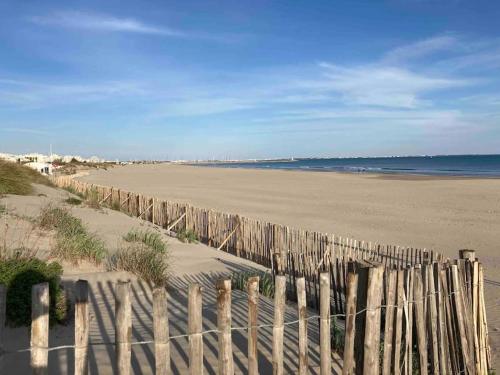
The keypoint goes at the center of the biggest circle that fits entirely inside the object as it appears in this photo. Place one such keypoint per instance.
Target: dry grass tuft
(148, 238)
(145, 255)
(73, 240)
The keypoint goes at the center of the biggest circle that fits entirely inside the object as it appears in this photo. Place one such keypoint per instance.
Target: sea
(442, 165)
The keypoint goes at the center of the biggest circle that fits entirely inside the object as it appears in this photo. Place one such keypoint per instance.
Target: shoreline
(471, 166)
(381, 175)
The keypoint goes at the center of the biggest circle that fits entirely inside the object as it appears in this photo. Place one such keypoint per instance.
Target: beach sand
(440, 213)
(190, 263)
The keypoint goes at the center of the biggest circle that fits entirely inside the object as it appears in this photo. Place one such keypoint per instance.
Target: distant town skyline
(238, 80)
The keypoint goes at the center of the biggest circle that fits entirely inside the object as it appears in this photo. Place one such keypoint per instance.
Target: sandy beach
(443, 214)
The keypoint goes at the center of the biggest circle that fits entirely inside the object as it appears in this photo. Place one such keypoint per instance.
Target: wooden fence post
(418, 297)
(161, 331)
(226, 366)
(432, 322)
(279, 328)
(81, 327)
(389, 321)
(458, 297)
(302, 307)
(373, 316)
(3, 312)
(194, 328)
(350, 321)
(324, 336)
(40, 328)
(485, 341)
(398, 333)
(362, 270)
(123, 327)
(253, 311)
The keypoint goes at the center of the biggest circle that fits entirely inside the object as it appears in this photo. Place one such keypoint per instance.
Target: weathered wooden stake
(461, 318)
(279, 328)
(226, 366)
(350, 321)
(302, 307)
(418, 296)
(81, 327)
(194, 328)
(253, 312)
(373, 315)
(123, 327)
(324, 333)
(40, 328)
(161, 331)
(389, 321)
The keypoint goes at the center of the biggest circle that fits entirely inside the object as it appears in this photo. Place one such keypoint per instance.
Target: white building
(43, 168)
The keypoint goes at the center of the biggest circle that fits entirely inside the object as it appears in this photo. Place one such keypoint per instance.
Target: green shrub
(148, 238)
(19, 275)
(73, 240)
(3, 209)
(71, 190)
(145, 255)
(143, 261)
(337, 336)
(92, 198)
(187, 236)
(17, 178)
(73, 201)
(116, 206)
(239, 281)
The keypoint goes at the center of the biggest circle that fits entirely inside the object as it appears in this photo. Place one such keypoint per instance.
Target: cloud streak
(421, 49)
(103, 23)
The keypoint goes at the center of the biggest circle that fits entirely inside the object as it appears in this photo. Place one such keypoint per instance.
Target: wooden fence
(419, 319)
(293, 252)
(419, 310)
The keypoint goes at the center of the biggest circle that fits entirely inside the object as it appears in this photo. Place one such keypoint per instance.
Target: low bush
(143, 261)
(3, 209)
(17, 178)
(239, 281)
(337, 336)
(116, 206)
(187, 236)
(73, 240)
(92, 198)
(148, 238)
(71, 190)
(73, 201)
(145, 255)
(19, 275)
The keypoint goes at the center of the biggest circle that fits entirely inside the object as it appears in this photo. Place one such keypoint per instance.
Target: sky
(249, 79)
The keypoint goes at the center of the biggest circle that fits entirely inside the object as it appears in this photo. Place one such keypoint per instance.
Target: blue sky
(241, 79)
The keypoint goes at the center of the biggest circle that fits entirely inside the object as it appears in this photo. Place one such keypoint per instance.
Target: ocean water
(453, 165)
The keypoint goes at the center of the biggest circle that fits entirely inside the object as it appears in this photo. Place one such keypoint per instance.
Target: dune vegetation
(17, 178)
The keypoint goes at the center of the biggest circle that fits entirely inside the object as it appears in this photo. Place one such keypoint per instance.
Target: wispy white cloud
(98, 22)
(421, 49)
(379, 85)
(94, 22)
(29, 94)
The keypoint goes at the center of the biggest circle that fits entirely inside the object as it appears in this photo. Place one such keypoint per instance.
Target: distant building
(43, 168)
